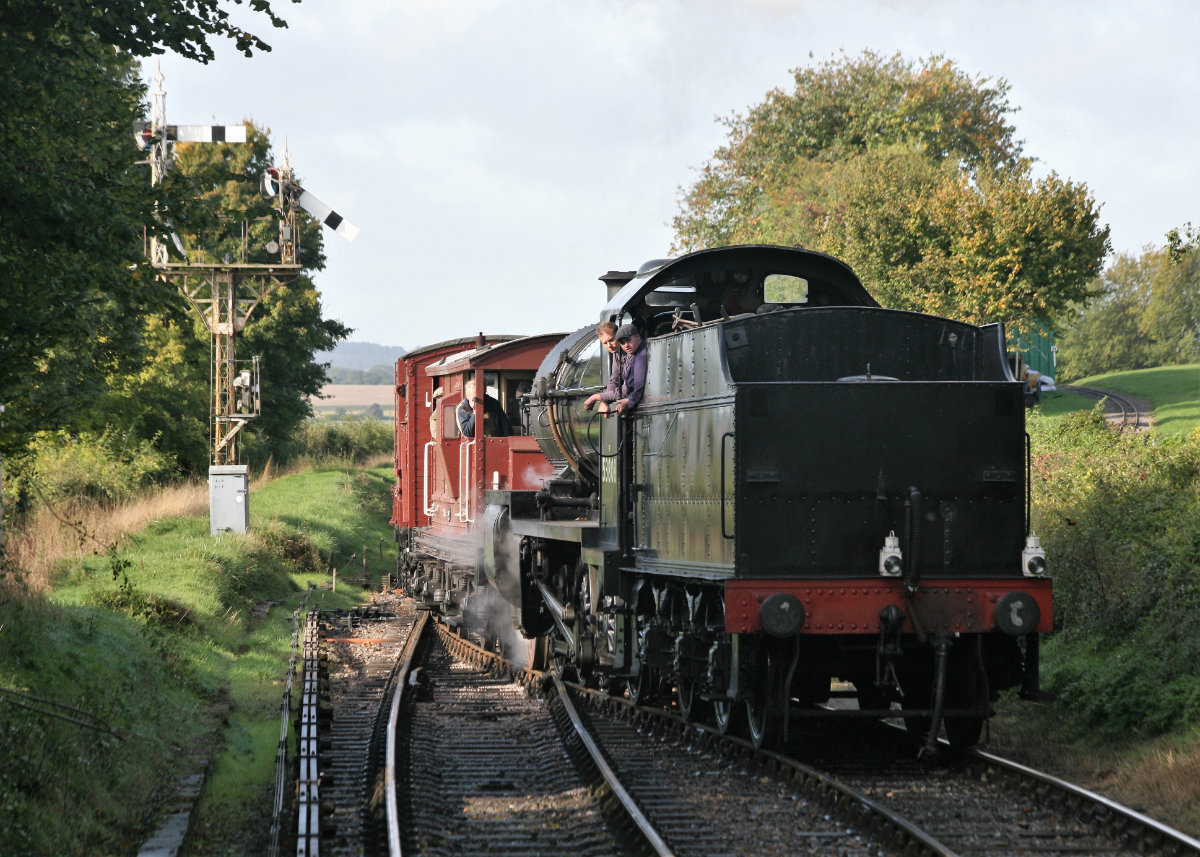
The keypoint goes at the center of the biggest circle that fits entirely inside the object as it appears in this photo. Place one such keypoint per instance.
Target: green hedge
(1119, 516)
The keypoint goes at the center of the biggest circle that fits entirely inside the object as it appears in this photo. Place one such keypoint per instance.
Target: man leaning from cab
(633, 376)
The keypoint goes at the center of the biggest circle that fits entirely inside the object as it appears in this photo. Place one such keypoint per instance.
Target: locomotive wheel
(643, 687)
(730, 716)
(762, 717)
(762, 722)
(968, 690)
(564, 663)
(691, 707)
(529, 653)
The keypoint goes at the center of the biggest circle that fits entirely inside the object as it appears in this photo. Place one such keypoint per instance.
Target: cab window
(785, 289)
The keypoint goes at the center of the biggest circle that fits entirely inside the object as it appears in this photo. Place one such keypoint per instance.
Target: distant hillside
(376, 375)
(360, 355)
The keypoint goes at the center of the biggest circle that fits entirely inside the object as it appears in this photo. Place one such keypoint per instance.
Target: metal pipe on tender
(913, 513)
(561, 613)
(941, 650)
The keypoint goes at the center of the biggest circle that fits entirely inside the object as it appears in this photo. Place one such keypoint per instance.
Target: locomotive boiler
(817, 497)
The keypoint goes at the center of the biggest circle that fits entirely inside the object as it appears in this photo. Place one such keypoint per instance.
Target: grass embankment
(1174, 391)
(171, 647)
(1119, 516)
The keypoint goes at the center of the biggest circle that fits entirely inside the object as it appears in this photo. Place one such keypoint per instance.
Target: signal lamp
(891, 563)
(1033, 558)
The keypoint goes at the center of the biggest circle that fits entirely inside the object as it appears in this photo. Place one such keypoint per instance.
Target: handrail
(724, 437)
(429, 509)
(464, 481)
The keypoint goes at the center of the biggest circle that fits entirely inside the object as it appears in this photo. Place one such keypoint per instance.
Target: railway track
(351, 666)
(980, 805)
(1121, 411)
(490, 760)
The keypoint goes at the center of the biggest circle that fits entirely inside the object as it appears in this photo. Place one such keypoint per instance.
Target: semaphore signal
(224, 294)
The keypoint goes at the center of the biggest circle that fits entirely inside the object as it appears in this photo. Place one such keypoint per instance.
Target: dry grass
(50, 535)
(1159, 776)
(1165, 780)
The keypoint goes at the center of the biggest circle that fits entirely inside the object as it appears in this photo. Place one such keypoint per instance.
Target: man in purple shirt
(633, 377)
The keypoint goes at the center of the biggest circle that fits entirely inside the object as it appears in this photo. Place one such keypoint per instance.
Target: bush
(1119, 516)
(110, 468)
(353, 440)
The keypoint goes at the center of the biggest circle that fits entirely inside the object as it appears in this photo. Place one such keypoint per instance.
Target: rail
(1120, 410)
(284, 728)
(1153, 832)
(308, 825)
(611, 782)
(389, 775)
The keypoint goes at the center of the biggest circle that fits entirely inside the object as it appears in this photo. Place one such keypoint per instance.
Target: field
(355, 399)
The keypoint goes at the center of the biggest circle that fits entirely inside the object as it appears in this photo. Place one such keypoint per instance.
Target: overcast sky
(500, 155)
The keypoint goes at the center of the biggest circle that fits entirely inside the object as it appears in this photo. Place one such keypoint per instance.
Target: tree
(287, 329)
(911, 173)
(285, 333)
(71, 215)
(73, 205)
(166, 399)
(141, 27)
(1144, 312)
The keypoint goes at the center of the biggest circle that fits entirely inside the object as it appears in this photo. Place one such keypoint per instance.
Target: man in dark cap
(633, 378)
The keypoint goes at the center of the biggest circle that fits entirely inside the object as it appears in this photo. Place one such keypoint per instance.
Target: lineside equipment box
(228, 498)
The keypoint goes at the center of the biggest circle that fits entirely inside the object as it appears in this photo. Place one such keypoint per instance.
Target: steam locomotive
(817, 498)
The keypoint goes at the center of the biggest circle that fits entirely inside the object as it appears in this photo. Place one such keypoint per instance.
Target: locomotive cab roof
(726, 281)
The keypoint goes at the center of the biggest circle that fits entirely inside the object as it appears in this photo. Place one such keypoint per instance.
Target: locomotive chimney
(614, 280)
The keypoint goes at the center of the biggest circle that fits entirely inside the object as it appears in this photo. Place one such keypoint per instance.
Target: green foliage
(73, 205)
(1144, 311)
(179, 644)
(293, 545)
(1119, 515)
(91, 342)
(909, 172)
(1124, 689)
(352, 440)
(167, 396)
(1183, 241)
(143, 27)
(287, 329)
(93, 718)
(126, 598)
(60, 468)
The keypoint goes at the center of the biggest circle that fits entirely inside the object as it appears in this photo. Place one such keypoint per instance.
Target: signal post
(224, 295)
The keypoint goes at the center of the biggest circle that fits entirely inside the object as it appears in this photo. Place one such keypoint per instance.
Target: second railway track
(1122, 411)
(481, 768)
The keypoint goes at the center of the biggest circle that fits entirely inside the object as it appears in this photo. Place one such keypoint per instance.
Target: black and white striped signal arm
(143, 136)
(314, 206)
